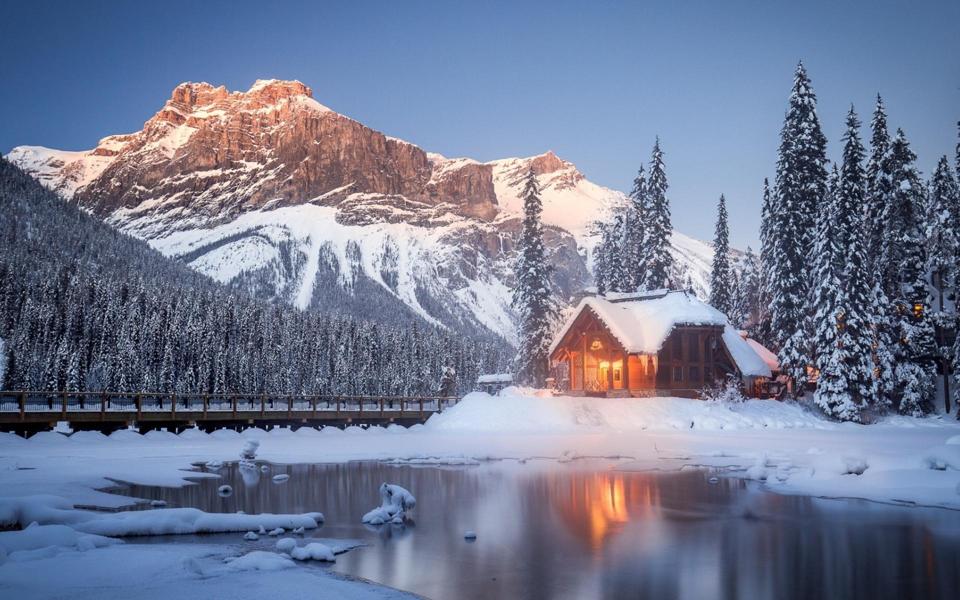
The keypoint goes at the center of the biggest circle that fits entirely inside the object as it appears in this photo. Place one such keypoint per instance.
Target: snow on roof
(641, 323)
(768, 357)
(495, 378)
(748, 361)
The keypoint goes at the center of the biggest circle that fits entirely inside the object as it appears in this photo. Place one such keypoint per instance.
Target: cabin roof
(642, 322)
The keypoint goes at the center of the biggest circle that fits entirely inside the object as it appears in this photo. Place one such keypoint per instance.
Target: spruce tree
(721, 289)
(856, 302)
(659, 261)
(829, 353)
(904, 260)
(634, 258)
(877, 180)
(761, 329)
(800, 187)
(531, 296)
(943, 257)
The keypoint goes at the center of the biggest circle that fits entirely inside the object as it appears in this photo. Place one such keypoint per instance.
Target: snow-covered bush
(395, 501)
(728, 391)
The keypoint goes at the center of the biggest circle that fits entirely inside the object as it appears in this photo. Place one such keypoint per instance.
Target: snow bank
(37, 541)
(190, 520)
(514, 411)
(54, 510)
(394, 502)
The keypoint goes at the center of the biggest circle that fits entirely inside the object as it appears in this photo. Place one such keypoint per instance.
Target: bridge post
(139, 401)
(263, 405)
(289, 405)
(381, 408)
(360, 404)
(63, 407)
(103, 406)
(401, 408)
(173, 407)
(313, 401)
(206, 402)
(234, 405)
(421, 408)
(23, 405)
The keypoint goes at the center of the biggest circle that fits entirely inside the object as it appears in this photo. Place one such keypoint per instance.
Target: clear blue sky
(593, 81)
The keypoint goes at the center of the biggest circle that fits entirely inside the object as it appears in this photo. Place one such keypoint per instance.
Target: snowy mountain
(269, 190)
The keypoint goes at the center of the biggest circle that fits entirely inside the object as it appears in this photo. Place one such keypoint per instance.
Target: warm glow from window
(917, 310)
(596, 345)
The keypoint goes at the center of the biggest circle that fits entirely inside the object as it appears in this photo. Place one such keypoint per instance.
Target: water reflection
(582, 530)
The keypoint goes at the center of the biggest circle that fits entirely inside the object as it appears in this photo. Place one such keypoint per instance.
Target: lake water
(586, 530)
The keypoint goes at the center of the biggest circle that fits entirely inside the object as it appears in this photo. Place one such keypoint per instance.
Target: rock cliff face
(269, 190)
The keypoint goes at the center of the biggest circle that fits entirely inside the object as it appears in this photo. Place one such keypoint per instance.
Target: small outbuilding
(658, 343)
(492, 383)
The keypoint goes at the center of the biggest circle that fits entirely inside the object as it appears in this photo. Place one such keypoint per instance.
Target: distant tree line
(84, 307)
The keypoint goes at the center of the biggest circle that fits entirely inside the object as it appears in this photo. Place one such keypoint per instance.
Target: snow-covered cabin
(651, 344)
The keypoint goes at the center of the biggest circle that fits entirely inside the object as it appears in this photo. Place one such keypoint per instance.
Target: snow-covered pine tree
(761, 330)
(601, 252)
(634, 258)
(746, 299)
(800, 187)
(877, 181)
(830, 356)
(856, 302)
(904, 259)
(531, 296)
(943, 257)
(658, 228)
(619, 277)
(721, 290)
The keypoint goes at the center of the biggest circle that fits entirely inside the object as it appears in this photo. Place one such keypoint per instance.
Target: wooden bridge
(29, 411)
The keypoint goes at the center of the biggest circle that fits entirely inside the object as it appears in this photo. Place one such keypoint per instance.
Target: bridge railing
(47, 402)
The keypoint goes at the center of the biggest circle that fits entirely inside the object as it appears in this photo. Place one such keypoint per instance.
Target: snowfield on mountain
(273, 192)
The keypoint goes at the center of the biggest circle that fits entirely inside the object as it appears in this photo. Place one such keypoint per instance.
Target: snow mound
(395, 501)
(37, 541)
(516, 411)
(313, 551)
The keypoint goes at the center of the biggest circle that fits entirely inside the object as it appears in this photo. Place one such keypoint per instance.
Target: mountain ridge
(272, 190)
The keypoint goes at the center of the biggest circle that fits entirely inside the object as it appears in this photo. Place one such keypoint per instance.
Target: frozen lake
(586, 530)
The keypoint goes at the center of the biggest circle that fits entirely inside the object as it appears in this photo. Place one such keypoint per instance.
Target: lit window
(678, 374)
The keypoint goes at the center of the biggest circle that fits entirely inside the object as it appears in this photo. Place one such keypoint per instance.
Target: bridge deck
(21, 410)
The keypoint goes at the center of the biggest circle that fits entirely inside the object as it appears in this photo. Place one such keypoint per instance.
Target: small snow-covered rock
(299, 531)
(277, 531)
(286, 544)
(258, 560)
(249, 451)
(854, 465)
(224, 491)
(313, 551)
(713, 480)
(470, 535)
(281, 478)
(264, 468)
(158, 503)
(213, 465)
(251, 536)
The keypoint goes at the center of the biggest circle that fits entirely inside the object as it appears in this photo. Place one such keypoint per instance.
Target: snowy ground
(794, 451)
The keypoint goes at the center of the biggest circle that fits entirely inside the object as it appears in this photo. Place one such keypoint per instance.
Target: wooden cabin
(661, 343)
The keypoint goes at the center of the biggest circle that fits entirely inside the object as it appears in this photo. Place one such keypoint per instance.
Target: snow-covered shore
(793, 450)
